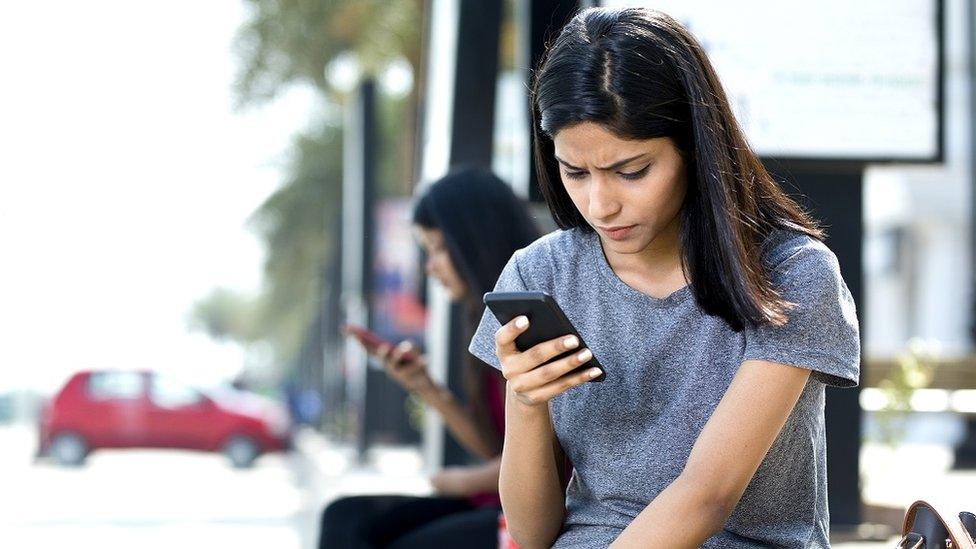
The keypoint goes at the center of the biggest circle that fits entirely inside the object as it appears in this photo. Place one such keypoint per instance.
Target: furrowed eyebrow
(613, 166)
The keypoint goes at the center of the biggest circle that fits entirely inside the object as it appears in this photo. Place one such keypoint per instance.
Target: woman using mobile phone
(469, 223)
(706, 293)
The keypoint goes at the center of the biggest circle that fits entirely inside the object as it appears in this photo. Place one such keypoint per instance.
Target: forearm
(459, 422)
(680, 516)
(485, 478)
(529, 481)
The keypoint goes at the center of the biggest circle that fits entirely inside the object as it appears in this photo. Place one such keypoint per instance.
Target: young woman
(704, 291)
(469, 222)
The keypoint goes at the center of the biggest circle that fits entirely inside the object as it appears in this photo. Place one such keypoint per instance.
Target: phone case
(547, 321)
(367, 338)
(372, 341)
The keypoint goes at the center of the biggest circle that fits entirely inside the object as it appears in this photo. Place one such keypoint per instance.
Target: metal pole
(357, 183)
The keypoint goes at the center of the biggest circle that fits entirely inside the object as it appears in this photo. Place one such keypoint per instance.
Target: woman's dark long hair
(483, 224)
(641, 75)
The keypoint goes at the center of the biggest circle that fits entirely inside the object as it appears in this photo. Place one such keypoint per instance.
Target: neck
(659, 261)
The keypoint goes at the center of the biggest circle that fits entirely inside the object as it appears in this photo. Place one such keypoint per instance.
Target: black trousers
(407, 522)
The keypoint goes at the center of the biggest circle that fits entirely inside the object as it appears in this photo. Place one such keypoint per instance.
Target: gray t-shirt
(668, 365)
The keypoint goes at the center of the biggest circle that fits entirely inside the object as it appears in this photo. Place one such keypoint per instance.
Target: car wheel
(242, 451)
(68, 449)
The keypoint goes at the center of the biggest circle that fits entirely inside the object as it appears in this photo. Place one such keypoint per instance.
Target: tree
(293, 224)
(289, 42)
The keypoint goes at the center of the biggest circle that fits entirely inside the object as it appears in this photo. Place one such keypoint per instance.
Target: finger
(541, 354)
(396, 355)
(558, 387)
(505, 336)
(383, 351)
(390, 359)
(406, 345)
(547, 373)
(409, 368)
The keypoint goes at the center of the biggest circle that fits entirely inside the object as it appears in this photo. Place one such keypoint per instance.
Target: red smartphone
(372, 341)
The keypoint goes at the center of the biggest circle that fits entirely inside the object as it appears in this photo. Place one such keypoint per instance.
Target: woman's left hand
(405, 365)
(456, 482)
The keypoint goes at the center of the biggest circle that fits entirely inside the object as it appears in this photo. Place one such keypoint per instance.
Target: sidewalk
(329, 471)
(394, 469)
(891, 480)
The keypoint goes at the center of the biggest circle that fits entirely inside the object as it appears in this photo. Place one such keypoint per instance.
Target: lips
(619, 232)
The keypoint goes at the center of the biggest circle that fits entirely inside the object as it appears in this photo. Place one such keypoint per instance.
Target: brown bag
(925, 527)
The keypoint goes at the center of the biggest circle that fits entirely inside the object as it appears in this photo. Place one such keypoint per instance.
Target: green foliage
(225, 314)
(295, 223)
(281, 44)
(293, 41)
(415, 410)
(913, 370)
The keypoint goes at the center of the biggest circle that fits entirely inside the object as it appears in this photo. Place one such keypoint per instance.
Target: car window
(115, 385)
(171, 393)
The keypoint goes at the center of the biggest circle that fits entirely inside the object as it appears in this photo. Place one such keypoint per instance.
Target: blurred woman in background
(469, 223)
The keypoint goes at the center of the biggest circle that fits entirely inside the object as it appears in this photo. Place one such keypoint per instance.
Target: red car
(132, 409)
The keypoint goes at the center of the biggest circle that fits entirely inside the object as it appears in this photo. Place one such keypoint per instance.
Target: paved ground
(891, 479)
(167, 499)
(151, 499)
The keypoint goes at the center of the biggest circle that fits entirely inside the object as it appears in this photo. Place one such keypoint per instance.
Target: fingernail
(521, 322)
(570, 342)
(584, 356)
(593, 372)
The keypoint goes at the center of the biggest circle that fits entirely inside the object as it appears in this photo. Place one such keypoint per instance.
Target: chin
(630, 246)
(457, 294)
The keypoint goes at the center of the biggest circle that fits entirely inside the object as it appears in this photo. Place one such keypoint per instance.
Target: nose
(604, 203)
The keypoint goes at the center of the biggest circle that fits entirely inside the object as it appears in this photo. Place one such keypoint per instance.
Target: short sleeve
(483, 343)
(821, 333)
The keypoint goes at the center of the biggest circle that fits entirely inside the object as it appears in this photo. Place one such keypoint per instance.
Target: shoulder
(804, 269)
(559, 255)
(553, 249)
(790, 253)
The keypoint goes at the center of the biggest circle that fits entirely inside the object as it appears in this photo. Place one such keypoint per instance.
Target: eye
(574, 175)
(635, 175)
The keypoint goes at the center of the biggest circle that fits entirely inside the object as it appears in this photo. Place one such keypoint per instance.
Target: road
(151, 499)
(173, 499)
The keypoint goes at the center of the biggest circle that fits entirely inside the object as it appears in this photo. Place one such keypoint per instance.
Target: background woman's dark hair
(641, 75)
(483, 224)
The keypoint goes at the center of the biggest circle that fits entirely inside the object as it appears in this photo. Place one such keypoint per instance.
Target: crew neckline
(606, 271)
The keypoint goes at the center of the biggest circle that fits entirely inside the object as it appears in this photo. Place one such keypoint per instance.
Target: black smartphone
(546, 321)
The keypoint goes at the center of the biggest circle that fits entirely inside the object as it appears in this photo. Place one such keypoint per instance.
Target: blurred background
(196, 196)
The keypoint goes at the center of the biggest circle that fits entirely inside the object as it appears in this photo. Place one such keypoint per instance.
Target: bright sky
(125, 182)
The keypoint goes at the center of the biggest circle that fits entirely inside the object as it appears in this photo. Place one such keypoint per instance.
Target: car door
(115, 409)
(178, 414)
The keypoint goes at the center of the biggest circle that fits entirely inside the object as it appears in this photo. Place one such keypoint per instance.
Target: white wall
(924, 291)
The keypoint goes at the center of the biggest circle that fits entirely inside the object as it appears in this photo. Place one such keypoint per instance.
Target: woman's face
(439, 264)
(630, 191)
